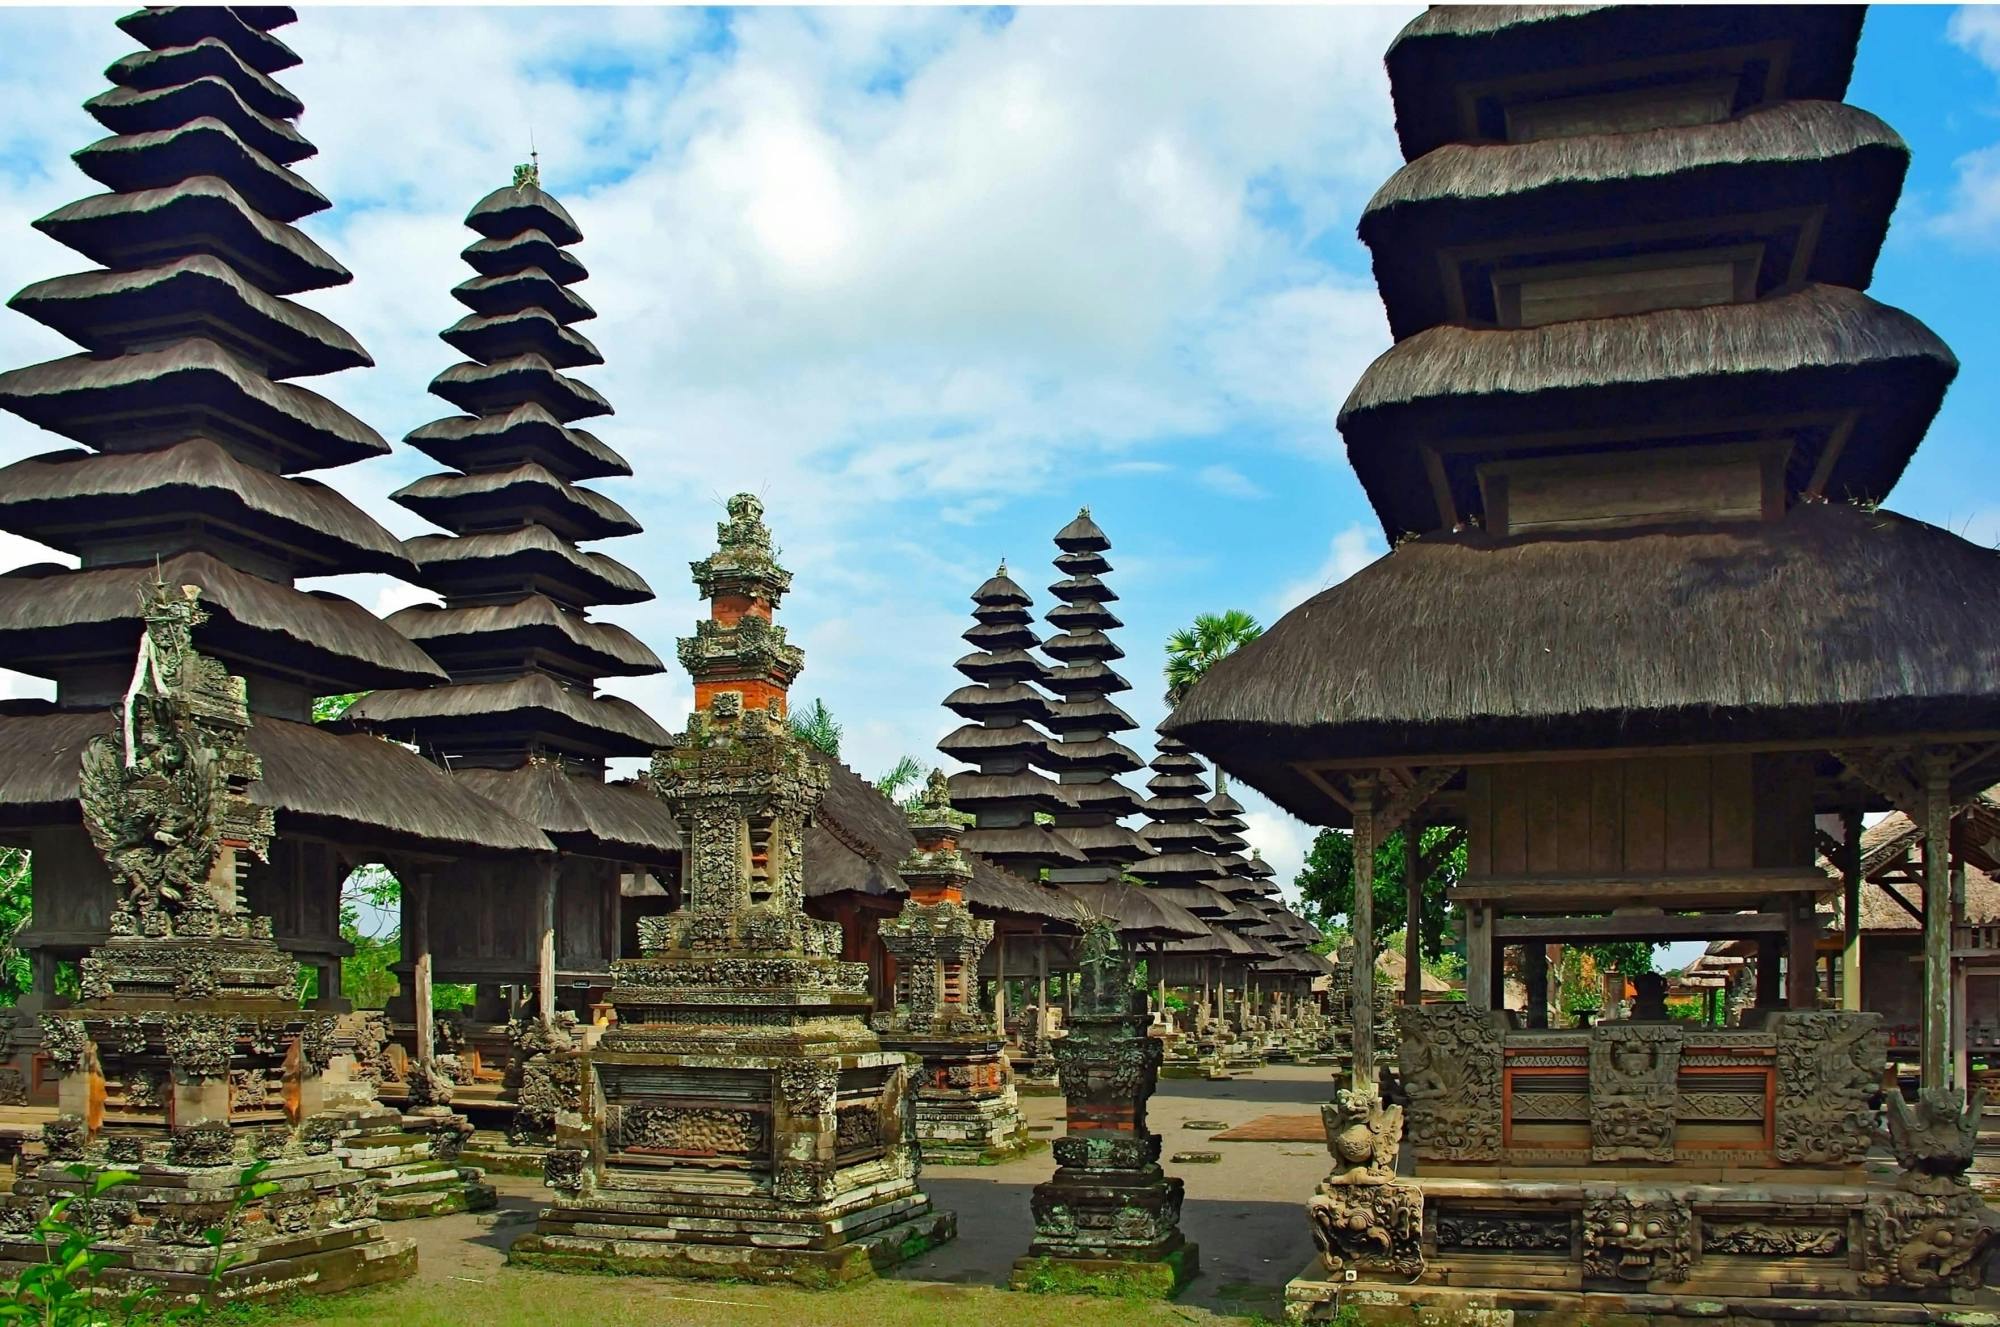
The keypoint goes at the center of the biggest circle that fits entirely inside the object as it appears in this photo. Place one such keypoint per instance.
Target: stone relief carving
(1451, 1061)
(1363, 1134)
(1933, 1241)
(706, 1131)
(1374, 1229)
(1774, 1241)
(1934, 1139)
(1829, 1068)
(1495, 1233)
(1638, 1237)
(1634, 1068)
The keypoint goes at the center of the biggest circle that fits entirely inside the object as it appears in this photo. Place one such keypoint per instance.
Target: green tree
(1193, 650)
(900, 782)
(817, 728)
(17, 887)
(328, 708)
(1326, 883)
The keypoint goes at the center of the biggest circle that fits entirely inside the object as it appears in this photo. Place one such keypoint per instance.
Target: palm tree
(817, 728)
(1192, 651)
(902, 776)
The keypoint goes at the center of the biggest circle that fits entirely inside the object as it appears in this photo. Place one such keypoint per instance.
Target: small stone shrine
(188, 1058)
(965, 1105)
(1108, 1222)
(740, 1119)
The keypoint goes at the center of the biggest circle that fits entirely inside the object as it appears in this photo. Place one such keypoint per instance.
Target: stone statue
(1634, 1071)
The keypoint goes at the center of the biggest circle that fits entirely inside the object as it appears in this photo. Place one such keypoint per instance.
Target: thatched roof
(51, 616)
(496, 388)
(207, 58)
(1448, 54)
(135, 111)
(110, 403)
(602, 649)
(609, 725)
(1142, 915)
(126, 230)
(158, 27)
(1484, 198)
(456, 500)
(580, 814)
(74, 499)
(1830, 620)
(529, 330)
(202, 146)
(1819, 348)
(367, 793)
(446, 562)
(528, 248)
(529, 288)
(509, 211)
(525, 433)
(858, 835)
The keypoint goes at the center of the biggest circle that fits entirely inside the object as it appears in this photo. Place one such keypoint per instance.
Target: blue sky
(929, 280)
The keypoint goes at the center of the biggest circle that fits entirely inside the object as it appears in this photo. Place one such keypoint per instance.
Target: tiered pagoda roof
(521, 717)
(193, 441)
(1002, 704)
(1088, 757)
(1624, 267)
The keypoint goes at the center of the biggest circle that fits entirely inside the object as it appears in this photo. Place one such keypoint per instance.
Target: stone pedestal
(1108, 1221)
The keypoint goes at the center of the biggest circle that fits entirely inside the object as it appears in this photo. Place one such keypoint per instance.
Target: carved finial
(1003, 568)
(529, 174)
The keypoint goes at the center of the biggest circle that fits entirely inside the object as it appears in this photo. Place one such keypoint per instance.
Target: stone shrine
(1108, 1222)
(188, 1059)
(739, 1119)
(966, 1109)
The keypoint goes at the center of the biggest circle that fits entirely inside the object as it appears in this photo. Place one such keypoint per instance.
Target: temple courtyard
(1243, 1210)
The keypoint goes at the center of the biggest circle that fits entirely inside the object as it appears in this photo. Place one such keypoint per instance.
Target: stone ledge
(1115, 1277)
(810, 1269)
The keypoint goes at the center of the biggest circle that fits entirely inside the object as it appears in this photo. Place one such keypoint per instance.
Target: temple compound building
(520, 721)
(740, 1119)
(1643, 623)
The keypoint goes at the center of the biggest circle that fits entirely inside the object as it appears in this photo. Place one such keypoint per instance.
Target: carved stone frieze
(198, 1044)
(563, 1169)
(1926, 1242)
(1769, 1241)
(1373, 1229)
(208, 1143)
(689, 1130)
(64, 1041)
(1634, 1068)
(1829, 1067)
(1491, 1232)
(1638, 1237)
(1451, 1060)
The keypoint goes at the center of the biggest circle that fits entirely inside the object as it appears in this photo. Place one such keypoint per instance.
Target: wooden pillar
(1535, 975)
(545, 948)
(1850, 887)
(1801, 956)
(1000, 984)
(1936, 1058)
(1961, 1032)
(420, 966)
(1413, 914)
(1041, 990)
(1361, 981)
(1769, 979)
(1479, 956)
(1496, 973)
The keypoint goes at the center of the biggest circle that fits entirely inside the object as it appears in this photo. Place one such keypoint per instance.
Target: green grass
(519, 1298)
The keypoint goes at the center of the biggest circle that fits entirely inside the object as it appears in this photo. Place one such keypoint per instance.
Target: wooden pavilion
(1643, 622)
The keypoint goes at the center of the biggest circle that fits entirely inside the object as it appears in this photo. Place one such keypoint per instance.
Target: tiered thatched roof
(521, 714)
(1088, 757)
(194, 436)
(1001, 707)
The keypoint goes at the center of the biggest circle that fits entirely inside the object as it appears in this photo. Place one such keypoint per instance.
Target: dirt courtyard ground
(1246, 1211)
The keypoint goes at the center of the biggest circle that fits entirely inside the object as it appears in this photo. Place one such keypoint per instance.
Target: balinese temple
(520, 721)
(1182, 869)
(188, 456)
(1644, 621)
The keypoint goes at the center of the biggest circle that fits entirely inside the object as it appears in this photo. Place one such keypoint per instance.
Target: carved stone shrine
(739, 1119)
(188, 1058)
(965, 1106)
(1108, 1221)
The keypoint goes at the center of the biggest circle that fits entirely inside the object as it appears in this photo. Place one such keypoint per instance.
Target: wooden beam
(1663, 891)
(1801, 960)
(1905, 904)
(1479, 956)
(1903, 741)
(1628, 926)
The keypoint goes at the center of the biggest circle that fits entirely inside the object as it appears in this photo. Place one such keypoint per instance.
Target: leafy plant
(817, 728)
(1326, 883)
(17, 889)
(1193, 650)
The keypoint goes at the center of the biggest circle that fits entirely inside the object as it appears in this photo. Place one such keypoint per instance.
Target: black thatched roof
(581, 814)
(1831, 620)
(1752, 178)
(1819, 348)
(525, 433)
(858, 835)
(1449, 54)
(364, 792)
(476, 635)
(459, 502)
(1142, 916)
(466, 715)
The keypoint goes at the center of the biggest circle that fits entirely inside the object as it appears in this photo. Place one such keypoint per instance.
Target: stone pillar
(422, 1015)
(545, 942)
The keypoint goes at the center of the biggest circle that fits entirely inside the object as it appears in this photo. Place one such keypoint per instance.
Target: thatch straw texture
(580, 814)
(448, 560)
(1142, 915)
(50, 613)
(133, 110)
(447, 498)
(606, 649)
(207, 58)
(511, 210)
(53, 496)
(464, 442)
(370, 793)
(611, 718)
(1832, 620)
(202, 146)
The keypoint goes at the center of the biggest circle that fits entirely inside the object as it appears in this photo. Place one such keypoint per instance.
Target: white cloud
(1230, 482)
(1283, 840)
(1350, 550)
(1973, 211)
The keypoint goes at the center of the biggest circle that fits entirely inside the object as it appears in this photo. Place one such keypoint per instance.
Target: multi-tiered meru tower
(1644, 621)
(740, 1119)
(194, 445)
(521, 722)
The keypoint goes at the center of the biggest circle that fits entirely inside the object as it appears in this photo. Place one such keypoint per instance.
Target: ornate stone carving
(1829, 1068)
(63, 1138)
(208, 1143)
(1634, 1068)
(1451, 1060)
(1926, 1242)
(689, 1131)
(1373, 1229)
(165, 799)
(199, 1044)
(1511, 1234)
(1362, 1134)
(1638, 1237)
(1934, 1139)
(809, 1087)
(1774, 1241)
(432, 1082)
(64, 1040)
(563, 1168)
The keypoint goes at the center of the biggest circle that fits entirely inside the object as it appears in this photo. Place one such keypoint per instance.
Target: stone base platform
(947, 1152)
(322, 1263)
(1120, 1278)
(1311, 1298)
(585, 1246)
(411, 1162)
(492, 1152)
